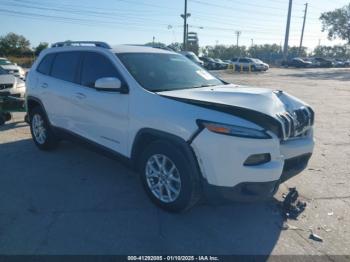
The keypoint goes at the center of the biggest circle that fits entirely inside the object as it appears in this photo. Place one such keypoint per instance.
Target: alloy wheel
(163, 178)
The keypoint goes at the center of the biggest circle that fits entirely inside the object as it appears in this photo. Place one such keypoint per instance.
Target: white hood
(276, 111)
(258, 99)
(7, 79)
(10, 67)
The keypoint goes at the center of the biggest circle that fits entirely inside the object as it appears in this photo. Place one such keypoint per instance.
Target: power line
(201, 2)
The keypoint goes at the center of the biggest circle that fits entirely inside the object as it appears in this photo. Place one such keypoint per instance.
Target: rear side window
(65, 66)
(96, 66)
(45, 64)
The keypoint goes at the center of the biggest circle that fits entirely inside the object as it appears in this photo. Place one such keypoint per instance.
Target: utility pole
(252, 41)
(186, 36)
(154, 38)
(286, 39)
(302, 31)
(238, 33)
(185, 16)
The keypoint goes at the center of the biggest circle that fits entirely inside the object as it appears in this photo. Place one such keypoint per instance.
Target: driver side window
(96, 66)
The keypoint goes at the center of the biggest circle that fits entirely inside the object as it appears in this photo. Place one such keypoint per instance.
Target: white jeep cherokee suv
(186, 131)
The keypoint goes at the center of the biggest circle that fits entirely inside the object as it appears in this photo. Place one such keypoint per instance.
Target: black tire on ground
(50, 140)
(2, 119)
(190, 190)
(7, 116)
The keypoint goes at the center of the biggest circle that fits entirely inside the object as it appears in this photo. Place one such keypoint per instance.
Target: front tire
(169, 178)
(42, 134)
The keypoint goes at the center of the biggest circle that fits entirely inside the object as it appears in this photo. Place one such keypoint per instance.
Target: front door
(103, 115)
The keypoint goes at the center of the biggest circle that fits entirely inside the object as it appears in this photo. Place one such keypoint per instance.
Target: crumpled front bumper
(221, 159)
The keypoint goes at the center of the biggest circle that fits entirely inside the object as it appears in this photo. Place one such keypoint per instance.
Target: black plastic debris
(315, 237)
(292, 207)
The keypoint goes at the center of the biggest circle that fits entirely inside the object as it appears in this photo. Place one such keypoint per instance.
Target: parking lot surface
(74, 201)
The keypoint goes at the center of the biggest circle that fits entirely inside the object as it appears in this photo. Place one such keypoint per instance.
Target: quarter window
(96, 66)
(45, 64)
(65, 66)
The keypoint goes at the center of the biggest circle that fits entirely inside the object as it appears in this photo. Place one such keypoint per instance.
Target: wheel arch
(33, 102)
(146, 136)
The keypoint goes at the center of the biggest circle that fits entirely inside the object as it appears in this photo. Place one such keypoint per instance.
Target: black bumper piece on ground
(255, 191)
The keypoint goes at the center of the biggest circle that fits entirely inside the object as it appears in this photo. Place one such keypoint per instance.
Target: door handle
(80, 95)
(44, 85)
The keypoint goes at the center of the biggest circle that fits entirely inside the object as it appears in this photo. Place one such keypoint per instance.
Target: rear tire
(42, 133)
(170, 179)
(2, 120)
(8, 116)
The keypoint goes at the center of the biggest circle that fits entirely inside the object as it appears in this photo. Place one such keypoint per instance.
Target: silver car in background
(11, 84)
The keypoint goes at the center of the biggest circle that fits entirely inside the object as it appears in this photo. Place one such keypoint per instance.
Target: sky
(138, 21)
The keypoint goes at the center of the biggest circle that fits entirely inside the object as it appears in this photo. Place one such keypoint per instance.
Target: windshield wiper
(163, 90)
(208, 85)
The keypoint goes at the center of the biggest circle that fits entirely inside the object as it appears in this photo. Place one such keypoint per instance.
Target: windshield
(5, 62)
(257, 60)
(166, 72)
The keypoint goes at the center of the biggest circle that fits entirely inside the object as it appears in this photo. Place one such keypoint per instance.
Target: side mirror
(111, 84)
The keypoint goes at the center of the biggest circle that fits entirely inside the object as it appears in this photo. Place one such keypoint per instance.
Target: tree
(335, 52)
(337, 23)
(13, 44)
(156, 44)
(224, 52)
(268, 53)
(193, 47)
(40, 47)
(176, 46)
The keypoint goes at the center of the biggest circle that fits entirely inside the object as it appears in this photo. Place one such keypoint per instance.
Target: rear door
(58, 89)
(244, 62)
(103, 115)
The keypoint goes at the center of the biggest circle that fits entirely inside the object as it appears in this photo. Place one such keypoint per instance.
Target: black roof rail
(81, 43)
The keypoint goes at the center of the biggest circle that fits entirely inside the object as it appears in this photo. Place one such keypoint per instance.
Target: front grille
(296, 123)
(5, 86)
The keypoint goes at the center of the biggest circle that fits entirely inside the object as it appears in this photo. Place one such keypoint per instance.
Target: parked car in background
(210, 63)
(321, 62)
(298, 63)
(247, 63)
(11, 84)
(12, 68)
(341, 63)
(222, 64)
(193, 57)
